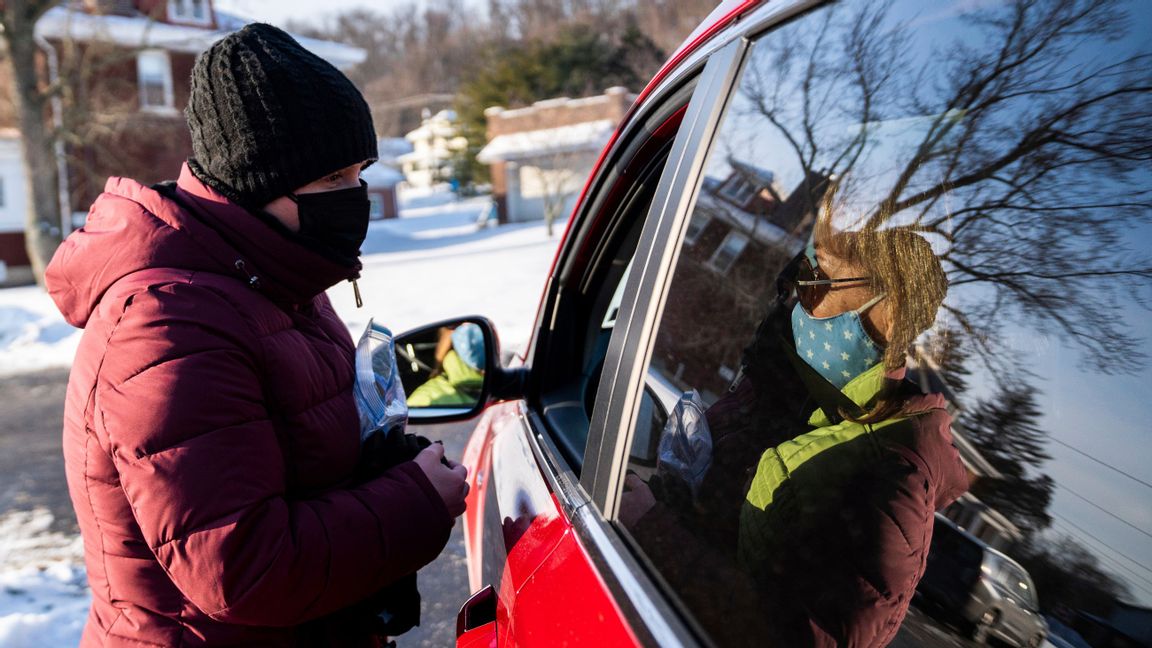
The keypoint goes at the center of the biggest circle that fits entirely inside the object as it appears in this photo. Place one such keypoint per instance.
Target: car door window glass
(915, 279)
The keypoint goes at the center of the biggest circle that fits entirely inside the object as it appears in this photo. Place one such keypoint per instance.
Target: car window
(915, 278)
(593, 273)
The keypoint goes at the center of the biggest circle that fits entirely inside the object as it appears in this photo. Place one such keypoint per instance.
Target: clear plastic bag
(380, 398)
(685, 449)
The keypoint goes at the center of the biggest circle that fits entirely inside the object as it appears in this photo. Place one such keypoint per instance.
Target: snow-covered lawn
(431, 264)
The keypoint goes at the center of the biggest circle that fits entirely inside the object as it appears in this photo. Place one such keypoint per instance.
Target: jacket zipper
(253, 280)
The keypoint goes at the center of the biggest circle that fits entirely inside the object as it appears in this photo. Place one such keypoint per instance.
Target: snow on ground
(43, 589)
(431, 264)
(33, 335)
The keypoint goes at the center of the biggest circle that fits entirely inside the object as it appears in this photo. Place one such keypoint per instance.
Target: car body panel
(510, 493)
(541, 537)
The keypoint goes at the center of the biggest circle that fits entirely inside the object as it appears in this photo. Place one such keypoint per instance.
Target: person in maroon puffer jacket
(210, 432)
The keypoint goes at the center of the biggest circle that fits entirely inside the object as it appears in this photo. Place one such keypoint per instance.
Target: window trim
(169, 105)
(610, 432)
(617, 402)
(723, 267)
(175, 16)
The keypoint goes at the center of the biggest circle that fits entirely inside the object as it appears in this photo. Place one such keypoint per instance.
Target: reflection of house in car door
(745, 227)
(541, 155)
(144, 50)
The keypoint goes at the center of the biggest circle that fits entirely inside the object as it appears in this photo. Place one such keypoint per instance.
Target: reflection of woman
(459, 374)
(834, 529)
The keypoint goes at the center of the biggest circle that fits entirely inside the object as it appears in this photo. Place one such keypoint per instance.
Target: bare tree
(31, 97)
(557, 173)
(1024, 168)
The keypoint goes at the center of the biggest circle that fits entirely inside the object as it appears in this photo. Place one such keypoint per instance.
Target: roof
(585, 136)
(438, 125)
(381, 175)
(560, 102)
(746, 222)
(60, 22)
(763, 177)
(391, 148)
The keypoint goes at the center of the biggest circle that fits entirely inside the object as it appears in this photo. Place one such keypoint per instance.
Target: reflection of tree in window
(1006, 151)
(1015, 138)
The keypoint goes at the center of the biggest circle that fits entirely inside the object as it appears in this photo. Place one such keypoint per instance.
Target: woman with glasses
(828, 465)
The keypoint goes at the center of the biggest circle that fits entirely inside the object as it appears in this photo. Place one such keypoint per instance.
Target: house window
(189, 11)
(696, 227)
(375, 206)
(154, 71)
(738, 191)
(725, 255)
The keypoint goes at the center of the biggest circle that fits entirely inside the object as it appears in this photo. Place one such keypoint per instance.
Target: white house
(434, 144)
(540, 155)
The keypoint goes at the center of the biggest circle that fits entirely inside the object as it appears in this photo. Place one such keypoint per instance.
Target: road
(32, 478)
(920, 631)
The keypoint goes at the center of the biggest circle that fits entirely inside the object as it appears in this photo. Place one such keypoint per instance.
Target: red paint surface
(482, 637)
(565, 603)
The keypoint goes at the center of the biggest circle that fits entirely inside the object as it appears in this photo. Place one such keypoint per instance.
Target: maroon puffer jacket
(210, 430)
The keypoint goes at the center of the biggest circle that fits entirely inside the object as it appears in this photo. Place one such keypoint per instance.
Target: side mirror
(451, 370)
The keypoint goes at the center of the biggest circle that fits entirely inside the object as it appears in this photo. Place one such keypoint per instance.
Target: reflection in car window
(916, 279)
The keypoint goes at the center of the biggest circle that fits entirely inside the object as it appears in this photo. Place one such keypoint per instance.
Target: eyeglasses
(811, 288)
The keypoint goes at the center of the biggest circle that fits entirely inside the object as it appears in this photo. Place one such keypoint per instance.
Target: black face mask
(334, 223)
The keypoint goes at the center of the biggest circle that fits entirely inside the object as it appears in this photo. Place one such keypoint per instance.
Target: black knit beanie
(267, 117)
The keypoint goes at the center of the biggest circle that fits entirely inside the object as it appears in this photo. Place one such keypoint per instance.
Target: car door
(533, 533)
(805, 109)
(851, 111)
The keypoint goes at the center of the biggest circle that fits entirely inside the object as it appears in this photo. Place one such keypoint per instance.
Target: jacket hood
(132, 227)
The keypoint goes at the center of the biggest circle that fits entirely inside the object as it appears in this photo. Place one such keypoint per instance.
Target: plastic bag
(380, 398)
(685, 449)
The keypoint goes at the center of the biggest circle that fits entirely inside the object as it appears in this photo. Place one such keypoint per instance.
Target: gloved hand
(385, 449)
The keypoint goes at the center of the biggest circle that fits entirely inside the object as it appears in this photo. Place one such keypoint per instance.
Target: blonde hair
(904, 268)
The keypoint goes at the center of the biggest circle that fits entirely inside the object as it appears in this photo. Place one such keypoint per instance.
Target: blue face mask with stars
(837, 347)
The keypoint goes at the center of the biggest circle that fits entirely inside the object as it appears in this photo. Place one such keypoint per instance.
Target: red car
(1011, 137)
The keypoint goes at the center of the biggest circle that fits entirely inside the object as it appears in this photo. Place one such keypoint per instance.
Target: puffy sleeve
(180, 398)
(891, 530)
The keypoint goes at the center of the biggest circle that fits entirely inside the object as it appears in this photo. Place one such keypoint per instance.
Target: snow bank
(44, 596)
(33, 335)
(430, 264)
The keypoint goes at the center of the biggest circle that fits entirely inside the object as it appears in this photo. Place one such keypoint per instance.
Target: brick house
(540, 156)
(145, 50)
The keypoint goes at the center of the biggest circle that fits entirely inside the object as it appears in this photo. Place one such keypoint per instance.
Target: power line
(1101, 508)
(1114, 549)
(1102, 463)
(1117, 565)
